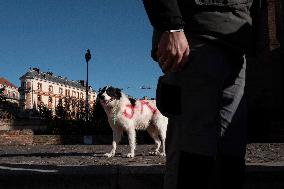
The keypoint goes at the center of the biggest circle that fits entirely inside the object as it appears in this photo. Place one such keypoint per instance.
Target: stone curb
(7, 169)
(18, 169)
(269, 175)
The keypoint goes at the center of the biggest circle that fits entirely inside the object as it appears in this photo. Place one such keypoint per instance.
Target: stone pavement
(84, 166)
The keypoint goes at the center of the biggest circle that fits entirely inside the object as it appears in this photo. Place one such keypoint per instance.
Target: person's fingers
(163, 57)
(166, 66)
(185, 58)
(172, 51)
(176, 62)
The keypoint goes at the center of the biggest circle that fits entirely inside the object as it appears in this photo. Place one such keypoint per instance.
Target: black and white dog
(126, 114)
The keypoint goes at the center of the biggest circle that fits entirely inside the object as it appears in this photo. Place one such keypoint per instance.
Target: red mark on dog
(145, 103)
(129, 115)
(129, 110)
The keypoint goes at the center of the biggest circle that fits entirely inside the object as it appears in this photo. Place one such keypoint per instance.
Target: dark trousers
(199, 171)
(206, 133)
(223, 171)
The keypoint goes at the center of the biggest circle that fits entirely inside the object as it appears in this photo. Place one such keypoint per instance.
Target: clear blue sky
(54, 35)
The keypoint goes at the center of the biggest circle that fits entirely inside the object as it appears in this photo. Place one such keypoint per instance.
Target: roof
(4, 81)
(49, 76)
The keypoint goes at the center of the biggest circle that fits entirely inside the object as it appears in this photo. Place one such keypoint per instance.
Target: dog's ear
(117, 93)
(132, 101)
(102, 90)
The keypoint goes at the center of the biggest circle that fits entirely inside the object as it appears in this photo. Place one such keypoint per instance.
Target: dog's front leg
(117, 132)
(132, 141)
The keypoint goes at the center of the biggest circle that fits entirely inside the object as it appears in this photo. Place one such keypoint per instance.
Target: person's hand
(173, 51)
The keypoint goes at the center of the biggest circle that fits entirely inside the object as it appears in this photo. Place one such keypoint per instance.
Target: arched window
(73, 94)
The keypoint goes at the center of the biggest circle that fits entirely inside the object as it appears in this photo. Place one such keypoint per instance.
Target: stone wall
(16, 137)
(71, 139)
(33, 124)
(26, 137)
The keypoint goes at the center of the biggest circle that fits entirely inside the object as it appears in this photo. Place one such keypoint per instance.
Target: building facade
(10, 92)
(43, 88)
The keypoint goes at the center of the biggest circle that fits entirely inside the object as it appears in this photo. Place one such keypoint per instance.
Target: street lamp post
(88, 58)
(87, 139)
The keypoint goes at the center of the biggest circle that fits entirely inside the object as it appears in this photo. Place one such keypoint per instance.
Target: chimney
(50, 73)
(82, 82)
(36, 69)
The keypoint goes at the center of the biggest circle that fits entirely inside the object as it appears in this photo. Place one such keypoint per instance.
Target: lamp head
(88, 55)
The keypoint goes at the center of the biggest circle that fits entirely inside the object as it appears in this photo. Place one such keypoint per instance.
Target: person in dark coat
(200, 47)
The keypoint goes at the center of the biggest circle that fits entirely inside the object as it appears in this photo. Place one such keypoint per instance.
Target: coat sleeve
(164, 14)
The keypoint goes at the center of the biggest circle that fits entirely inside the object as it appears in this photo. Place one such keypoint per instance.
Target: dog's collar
(114, 112)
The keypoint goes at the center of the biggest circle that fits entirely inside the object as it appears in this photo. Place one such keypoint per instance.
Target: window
(60, 90)
(73, 94)
(78, 95)
(67, 92)
(39, 86)
(39, 98)
(81, 95)
(23, 84)
(60, 101)
(50, 88)
(50, 99)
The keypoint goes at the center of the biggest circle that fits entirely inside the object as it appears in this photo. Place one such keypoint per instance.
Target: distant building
(147, 98)
(11, 91)
(39, 88)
